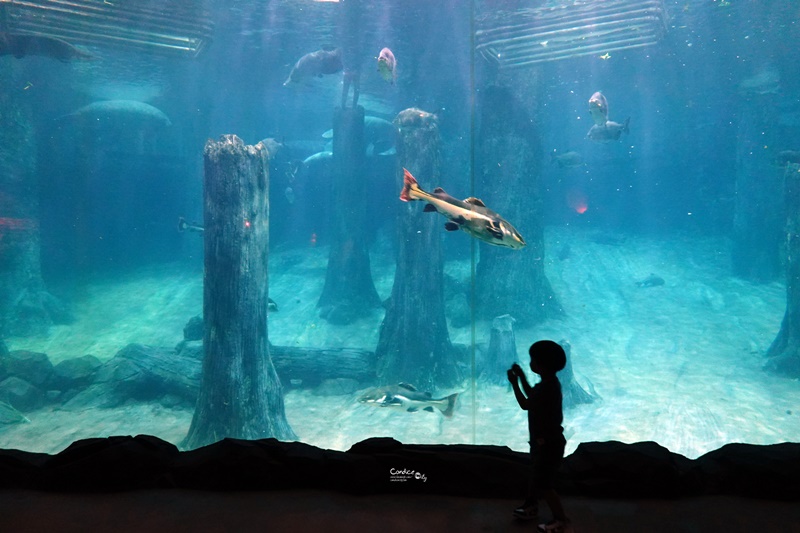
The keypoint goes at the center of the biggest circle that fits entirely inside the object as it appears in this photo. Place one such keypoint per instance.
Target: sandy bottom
(679, 364)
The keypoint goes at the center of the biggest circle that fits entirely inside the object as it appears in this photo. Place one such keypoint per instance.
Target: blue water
(715, 98)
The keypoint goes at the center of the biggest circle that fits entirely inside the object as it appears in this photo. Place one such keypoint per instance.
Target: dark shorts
(546, 460)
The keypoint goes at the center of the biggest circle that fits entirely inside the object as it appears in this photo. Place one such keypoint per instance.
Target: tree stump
(755, 251)
(572, 393)
(502, 350)
(414, 344)
(240, 393)
(26, 308)
(349, 292)
(784, 352)
(509, 183)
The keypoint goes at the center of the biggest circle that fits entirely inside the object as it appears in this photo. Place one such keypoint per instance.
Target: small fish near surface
(598, 108)
(610, 131)
(328, 60)
(469, 215)
(651, 281)
(408, 398)
(387, 65)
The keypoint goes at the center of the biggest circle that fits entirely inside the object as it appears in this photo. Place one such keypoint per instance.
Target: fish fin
(407, 386)
(429, 208)
(438, 189)
(451, 226)
(475, 201)
(428, 394)
(451, 405)
(429, 409)
(626, 124)
(409, 182)
(328, 134)
(412, 409)
(495, 230)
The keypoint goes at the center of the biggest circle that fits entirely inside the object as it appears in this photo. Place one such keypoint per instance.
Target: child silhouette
(543, 403)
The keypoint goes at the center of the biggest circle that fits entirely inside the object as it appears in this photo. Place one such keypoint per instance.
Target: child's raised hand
(511, 376)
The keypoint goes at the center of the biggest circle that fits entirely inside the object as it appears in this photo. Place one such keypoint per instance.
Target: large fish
(28, 44)
(610, 131)
(406, 397)
(315, 64)
(387, 65)
(470, 215)
(120, 111)
(598, 108)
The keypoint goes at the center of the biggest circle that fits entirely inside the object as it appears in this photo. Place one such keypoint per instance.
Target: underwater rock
(21, 394)
(34, 311)
(77, 372)
(194, 329)
(640, 470)
(10, 416)
(32, 366)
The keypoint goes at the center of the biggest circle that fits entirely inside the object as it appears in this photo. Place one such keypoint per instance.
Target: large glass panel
(644, 152)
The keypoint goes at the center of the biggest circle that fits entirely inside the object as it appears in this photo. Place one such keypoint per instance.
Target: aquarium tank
(325, 221)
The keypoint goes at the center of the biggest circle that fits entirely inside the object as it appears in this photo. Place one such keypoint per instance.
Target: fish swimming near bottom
(651, 281)
(610, 131)
(408, 398)
(469, 215)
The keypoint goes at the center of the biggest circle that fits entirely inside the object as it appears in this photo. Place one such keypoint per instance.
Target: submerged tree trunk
(26, 308)
(240, 393)
(508, 281)
(755, 253)
(414, 344)
(784, 353)
(349, 292)
(571, 391)
(502, 350)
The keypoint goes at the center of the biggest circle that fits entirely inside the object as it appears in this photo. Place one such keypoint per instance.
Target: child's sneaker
(527, 511)
(554, 526)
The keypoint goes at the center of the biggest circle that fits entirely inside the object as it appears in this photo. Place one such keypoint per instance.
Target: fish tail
(451, 405)
(409, 184)
(182, 224)
(625, 126)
